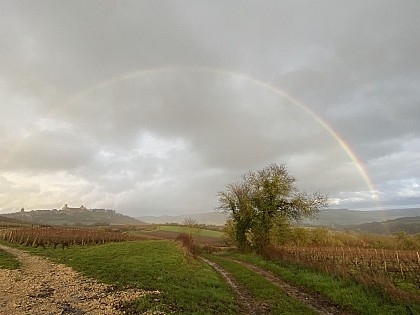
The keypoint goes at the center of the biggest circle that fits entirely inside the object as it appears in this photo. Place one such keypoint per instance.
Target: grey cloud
(354, 64)
(228, 127)
(97, 39)
(47, 151)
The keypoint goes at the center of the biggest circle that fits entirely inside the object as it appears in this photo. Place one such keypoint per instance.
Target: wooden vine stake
(383, 253)
(399, 264)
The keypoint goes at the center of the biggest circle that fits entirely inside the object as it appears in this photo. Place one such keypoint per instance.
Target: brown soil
(40, 286)
(314, 300)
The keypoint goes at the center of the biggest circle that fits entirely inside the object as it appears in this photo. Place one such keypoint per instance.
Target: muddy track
(40, 287)
(249, 305)
(314, 300)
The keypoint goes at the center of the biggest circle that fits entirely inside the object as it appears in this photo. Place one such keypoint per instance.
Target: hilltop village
(73, 216)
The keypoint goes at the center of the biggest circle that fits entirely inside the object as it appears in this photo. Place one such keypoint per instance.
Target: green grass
(8, 261)
(194, 231)
(187, 286)
(262, 289)
(346, 293)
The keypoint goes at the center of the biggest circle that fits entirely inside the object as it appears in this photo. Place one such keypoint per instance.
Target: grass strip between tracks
(262, 289)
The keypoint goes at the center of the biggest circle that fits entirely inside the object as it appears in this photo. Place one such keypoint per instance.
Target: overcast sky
(152, 107)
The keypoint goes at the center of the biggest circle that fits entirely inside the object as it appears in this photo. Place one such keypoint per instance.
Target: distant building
(83, 209)
(68, 209)
(103, 211)
(98, 210)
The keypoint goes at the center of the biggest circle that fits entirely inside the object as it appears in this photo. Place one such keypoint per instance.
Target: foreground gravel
(40, 286)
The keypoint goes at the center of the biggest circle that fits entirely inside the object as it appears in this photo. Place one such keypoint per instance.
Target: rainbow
(227, 73)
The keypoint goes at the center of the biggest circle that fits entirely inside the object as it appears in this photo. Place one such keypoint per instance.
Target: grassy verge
(187, 286)
(348, 294)
(8, 261)
(262, 289)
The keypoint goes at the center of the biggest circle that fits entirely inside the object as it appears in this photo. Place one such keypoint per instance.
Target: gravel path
(40, 287)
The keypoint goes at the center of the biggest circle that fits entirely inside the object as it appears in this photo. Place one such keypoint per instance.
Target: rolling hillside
(409, 225)
(209, 218)
(9, 222)
(337, 217)
(329, 218)
(74, 217)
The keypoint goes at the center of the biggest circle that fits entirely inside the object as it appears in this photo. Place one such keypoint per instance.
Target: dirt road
(43, 287)
(314, 300)
(251, 306)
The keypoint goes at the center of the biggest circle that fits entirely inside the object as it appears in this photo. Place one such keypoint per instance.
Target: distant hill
(209, 218)
(9, 222)
(82, 216)
(336, 217)
(409, 225)
(328, 218)
(73, 216)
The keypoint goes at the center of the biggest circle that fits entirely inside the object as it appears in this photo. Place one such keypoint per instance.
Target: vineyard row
(64, 237)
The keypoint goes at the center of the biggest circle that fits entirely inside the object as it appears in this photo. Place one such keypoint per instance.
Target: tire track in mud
(249, 305)
(312, 299)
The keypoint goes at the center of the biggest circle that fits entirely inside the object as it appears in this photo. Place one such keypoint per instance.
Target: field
(194, 231)
(7, 261)
(351, 296)
(8, 222)
(199, 234)
(332, 276)
(64, 237)
(186, 285)
(389, 269)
